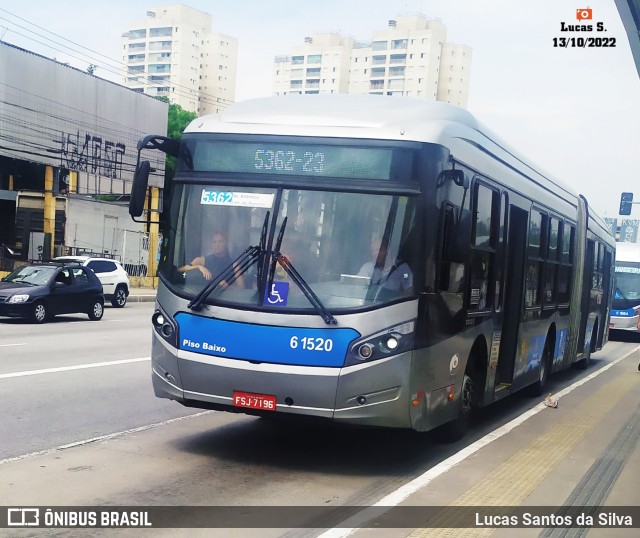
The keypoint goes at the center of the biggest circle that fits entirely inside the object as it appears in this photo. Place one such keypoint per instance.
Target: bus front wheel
(455, 430)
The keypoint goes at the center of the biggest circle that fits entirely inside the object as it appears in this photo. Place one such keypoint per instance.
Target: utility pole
(49, 213)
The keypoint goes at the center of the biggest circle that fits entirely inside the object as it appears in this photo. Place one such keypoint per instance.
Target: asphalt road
(81, 426)
(46, 403)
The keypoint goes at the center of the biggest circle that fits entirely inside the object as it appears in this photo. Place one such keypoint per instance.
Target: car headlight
(22, 298)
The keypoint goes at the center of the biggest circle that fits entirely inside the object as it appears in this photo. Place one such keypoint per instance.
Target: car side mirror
(59, 285)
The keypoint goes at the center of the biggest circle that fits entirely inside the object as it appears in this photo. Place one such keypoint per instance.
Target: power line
(123, 68)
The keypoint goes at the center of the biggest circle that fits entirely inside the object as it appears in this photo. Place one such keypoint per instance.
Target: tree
(177, 121)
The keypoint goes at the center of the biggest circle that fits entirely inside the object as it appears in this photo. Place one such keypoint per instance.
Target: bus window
(501, 256)
(551, 268)
(486, 204)
(535, 262)
(451, 276)
(564, 270)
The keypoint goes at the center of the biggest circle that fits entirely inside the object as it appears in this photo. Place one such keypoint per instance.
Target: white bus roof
(627, 252)
(372, 117)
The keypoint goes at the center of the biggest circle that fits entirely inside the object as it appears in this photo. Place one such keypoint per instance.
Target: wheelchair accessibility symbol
(278, 294)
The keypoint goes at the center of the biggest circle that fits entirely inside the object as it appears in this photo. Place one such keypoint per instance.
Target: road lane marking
(359, 520)
(9, 345)
(69, 368)
(102, 438)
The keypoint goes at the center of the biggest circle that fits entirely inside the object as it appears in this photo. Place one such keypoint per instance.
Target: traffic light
(625, 203)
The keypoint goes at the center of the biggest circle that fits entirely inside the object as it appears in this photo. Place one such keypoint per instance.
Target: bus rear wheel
(537, 389)
(584, 363)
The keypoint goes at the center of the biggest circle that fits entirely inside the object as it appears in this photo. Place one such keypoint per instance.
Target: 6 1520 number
(311, 344)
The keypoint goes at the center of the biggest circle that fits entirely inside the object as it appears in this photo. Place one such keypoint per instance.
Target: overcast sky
(573, 111)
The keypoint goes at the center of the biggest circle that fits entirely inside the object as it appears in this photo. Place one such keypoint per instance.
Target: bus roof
(627, 252)
(373, 117)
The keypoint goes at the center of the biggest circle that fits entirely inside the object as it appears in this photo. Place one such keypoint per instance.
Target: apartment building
(410, 57)
(173, 52)
(321, 65)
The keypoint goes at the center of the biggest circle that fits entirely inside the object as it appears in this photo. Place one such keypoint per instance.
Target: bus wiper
(235, 269)
(231, 273)
(306, 289)
(263, 255)
(297, 278)
(275, 252)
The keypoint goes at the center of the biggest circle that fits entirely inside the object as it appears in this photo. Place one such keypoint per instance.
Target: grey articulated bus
(385, 262)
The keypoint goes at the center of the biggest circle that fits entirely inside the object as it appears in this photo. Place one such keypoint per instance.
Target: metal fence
(130, 247)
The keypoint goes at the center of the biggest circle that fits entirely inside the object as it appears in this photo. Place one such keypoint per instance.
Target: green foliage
(177, 121)
(179, 118)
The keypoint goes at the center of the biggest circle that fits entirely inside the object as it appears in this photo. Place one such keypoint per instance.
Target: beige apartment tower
(411, 57)
(174, 53)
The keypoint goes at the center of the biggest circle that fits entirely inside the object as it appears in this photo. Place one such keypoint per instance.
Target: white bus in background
(625, 308)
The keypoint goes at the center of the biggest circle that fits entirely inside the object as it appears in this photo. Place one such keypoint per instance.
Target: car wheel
(97, 310)
(39, 313)
(120, 297)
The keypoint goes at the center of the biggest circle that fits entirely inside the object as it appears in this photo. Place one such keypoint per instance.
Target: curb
(141, 298)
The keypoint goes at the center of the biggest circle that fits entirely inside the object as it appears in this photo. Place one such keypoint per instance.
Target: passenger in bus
(384, 271)
(213, 264)
(378, 254)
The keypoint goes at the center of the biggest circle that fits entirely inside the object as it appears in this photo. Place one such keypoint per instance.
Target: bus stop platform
(564, 470)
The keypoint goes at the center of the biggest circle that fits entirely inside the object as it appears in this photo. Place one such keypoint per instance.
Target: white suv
(114, 279)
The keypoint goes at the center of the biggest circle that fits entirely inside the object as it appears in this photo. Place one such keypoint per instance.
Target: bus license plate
(266, 402)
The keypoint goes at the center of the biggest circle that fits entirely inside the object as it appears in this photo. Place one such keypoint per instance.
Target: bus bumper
(373, 394)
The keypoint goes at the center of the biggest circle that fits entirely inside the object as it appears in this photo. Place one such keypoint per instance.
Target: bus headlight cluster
(388, 342)
(164, 327)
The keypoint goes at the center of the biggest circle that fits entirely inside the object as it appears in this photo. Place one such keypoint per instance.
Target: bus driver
(214, 264)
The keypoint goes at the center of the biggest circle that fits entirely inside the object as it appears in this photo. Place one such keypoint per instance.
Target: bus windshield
(352, 250)
(627, 285)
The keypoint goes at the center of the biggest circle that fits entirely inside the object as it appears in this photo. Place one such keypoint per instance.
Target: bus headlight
(383, 344)
(164, 327)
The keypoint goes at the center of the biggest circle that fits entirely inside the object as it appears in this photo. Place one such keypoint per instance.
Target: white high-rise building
(174, 53)
(411, 57)
(321, 65)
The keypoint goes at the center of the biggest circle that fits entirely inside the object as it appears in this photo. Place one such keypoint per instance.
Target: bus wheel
(584, 363)
(543, 373)
(455, 430)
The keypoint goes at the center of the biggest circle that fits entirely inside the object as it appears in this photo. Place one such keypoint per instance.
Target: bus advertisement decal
(301, 346)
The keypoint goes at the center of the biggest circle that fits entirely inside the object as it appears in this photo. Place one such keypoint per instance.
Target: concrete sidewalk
(583, 454)
(142, 295)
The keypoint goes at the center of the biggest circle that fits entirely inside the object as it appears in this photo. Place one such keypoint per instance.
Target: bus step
(502, 391)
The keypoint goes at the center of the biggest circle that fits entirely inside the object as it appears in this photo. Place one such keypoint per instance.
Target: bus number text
(308, 343)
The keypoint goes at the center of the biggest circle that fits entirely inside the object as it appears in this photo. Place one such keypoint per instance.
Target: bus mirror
(458, 177)
(139, 189)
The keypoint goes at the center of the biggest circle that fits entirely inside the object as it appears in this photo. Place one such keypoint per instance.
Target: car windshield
(34, 275)
(350, 250)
